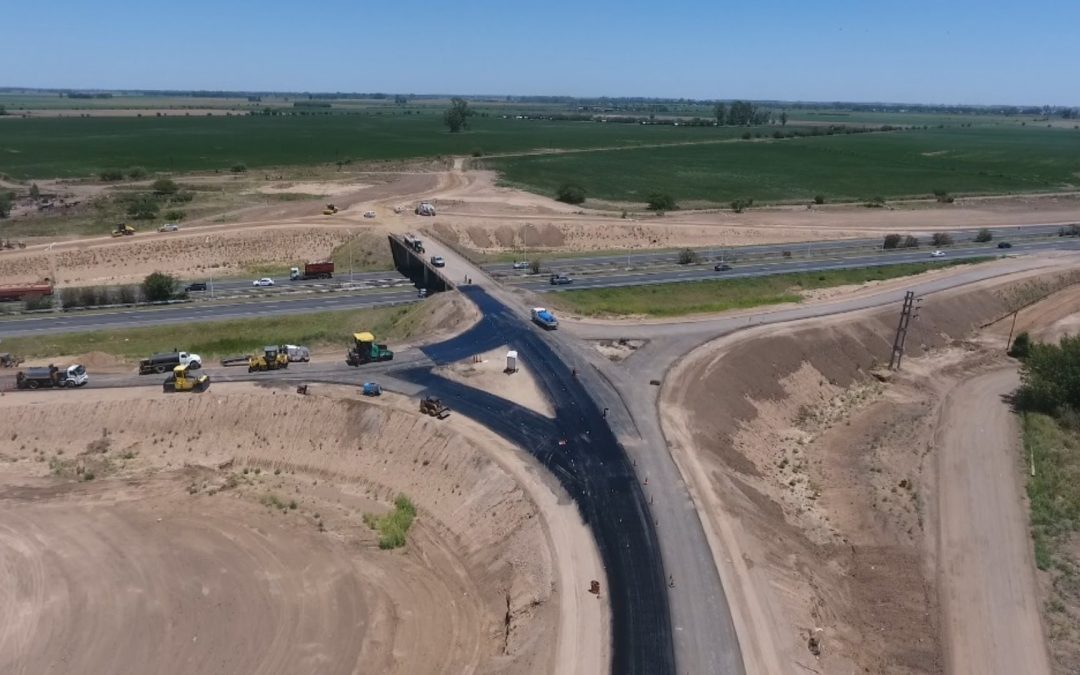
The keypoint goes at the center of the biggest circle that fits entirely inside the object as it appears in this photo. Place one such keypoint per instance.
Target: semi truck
(19, 292)
(69, 377)
(366, 350)
(414, 243)
(315, 270)
(544, 318)
(167, 361)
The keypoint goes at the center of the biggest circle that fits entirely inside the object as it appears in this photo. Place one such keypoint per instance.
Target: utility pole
(901, 331)
(1008, 343)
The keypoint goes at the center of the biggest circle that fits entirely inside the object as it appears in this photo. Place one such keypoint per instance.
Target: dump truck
(161, 363)
(366, 350)
(425, 209)
(123, 229)
(19, 292)
(182, 380)
(543, 317)
(272, 358)
(429, 405)
(314, 270)
(414, 243)
(68, 377)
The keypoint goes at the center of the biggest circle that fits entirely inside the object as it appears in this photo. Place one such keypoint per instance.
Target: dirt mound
(227, 528)
(811, 476)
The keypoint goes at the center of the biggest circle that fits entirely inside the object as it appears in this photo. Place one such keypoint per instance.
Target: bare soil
(145, 532)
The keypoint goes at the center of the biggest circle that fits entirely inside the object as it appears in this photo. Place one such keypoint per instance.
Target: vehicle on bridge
(69, 378)
(544, 318)
(323, 269)
(272, 358)
(182, 380)
(414, 243)
(160, 363)
(438, 261)
(366, 350)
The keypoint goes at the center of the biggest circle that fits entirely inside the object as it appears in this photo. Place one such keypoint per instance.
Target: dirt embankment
(224, 532)
(817, 481)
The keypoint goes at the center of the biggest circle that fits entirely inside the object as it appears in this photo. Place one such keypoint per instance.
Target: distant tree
(5, 204)
(941, 239)
(143, 207)
(239, 167)
(401, 100)
(137, 172)
(534, 265)
(721, 113)
(984, 235)
(819, 199)
(660, 201)
(891, 241)
(783, 118)
(688, 256)
(571, 194)
(3, 110)
(457, 115)
(158, 287)
(910, 242)
(35, 192)
(111, 175)
(739, 205)
(165, 186)
(741, 114)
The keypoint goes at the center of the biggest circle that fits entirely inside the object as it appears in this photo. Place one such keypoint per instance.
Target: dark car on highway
(721, 267)
(1004, 244)
(560, 280)
(196, 286)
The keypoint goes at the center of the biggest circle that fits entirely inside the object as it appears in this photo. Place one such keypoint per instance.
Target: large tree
(721, 113)
(457, 115)
(741, 114)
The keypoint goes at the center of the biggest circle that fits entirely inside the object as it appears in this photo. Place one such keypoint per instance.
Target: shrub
(534, 266)
(740, 204)
(127, 295)
(34, 302)
(1050, 376)
(819, 199)
(5, 204)
(687, 256)
(238, 168)
(174, 215)
(571, 194)
(1021, 346)
(158, 287)
(911, 242)
(660, 201)
(182, 197)
(143, 207)
(875, 203)
(165, 186)
(137, 172)
(984, 235)
(891, 241)
(111, 175)
(941, 239)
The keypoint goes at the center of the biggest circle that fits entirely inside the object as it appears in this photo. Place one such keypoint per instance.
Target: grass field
(223, 338)
(72, 147)
(719, 295)
(977, 160)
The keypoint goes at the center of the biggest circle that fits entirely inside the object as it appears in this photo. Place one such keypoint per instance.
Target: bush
(911, 242)
(238, 168)
(1050, 376)
(182, 197)
(819, 199)
(1021, 346)
(158, 287)
(941, 239)
(127, 295)
(687, 256)
(534, 266)
(571, 194)
(165, 186)
(660, 201)
(984, 235)
(111, 175)
(891, 241)
(740, 204)
(34, 302)
(5, 204)
(137, 172)
(143, 207)
(875, 203)
(174, 215)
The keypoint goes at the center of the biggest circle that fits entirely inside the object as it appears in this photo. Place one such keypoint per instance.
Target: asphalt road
(283, 283)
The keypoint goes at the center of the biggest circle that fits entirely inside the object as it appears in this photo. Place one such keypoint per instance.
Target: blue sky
(952, 51)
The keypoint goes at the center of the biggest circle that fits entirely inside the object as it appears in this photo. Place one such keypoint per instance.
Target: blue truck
(544, 318)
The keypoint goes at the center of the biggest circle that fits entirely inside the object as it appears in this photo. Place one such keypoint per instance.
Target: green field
(720, 295)
(76, 146)
(977, 160)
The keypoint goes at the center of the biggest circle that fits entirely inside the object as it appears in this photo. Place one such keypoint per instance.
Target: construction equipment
(425, 209)
(366, 350)
(182, 380)
(272, 358)
(8, 360)
(429, 405)
(314, 270)
(123, 229)
(160, 363)
(69, 377)
(330, 210)
(371, 389)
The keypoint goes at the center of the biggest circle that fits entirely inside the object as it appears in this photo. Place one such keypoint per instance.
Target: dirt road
(985, 567)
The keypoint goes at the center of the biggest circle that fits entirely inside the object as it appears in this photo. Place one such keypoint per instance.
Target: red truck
(24, 291)
(315, 270)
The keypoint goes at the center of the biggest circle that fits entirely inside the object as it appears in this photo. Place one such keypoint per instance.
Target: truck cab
(51, 377)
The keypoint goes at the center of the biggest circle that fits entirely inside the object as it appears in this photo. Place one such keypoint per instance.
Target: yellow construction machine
(181, 380)
(272, 358)
(330, 210)
(123, 229)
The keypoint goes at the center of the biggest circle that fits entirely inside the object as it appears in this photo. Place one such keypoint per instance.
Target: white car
(521, 265)
(169, 227)
(937, 254)
(438, 261)
(265, 281)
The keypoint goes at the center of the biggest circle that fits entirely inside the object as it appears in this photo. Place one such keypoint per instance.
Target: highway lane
(282, 282)
(241, 308)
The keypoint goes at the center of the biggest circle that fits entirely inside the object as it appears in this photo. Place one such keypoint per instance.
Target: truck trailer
(314, 270)
(35, 378)
(165, 362)
(24, 291)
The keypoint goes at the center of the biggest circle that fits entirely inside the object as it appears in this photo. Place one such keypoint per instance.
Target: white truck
(69, 377)
(164, 363)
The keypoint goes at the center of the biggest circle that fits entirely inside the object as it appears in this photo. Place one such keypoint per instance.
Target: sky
(949, 51)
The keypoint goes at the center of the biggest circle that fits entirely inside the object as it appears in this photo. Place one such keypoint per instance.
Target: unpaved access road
(985, 567)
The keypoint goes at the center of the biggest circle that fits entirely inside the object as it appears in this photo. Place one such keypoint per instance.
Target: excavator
(366, 350)
(272, 358)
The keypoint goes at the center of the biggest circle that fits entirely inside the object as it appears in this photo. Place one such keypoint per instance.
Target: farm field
(976, 160)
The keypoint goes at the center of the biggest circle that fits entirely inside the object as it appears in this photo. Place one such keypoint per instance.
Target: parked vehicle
(366, 350)
(315, 270)
(160, 363)
(297, 353)
(69, 377)
(438, 261)
(272, 358)
(169, 227)
(195, 286)
(560, 280)
(182, 380)
(1004, 244)
(371, 389)
(544, 318)
(721, 267)
(265, 281)
(937, 254)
